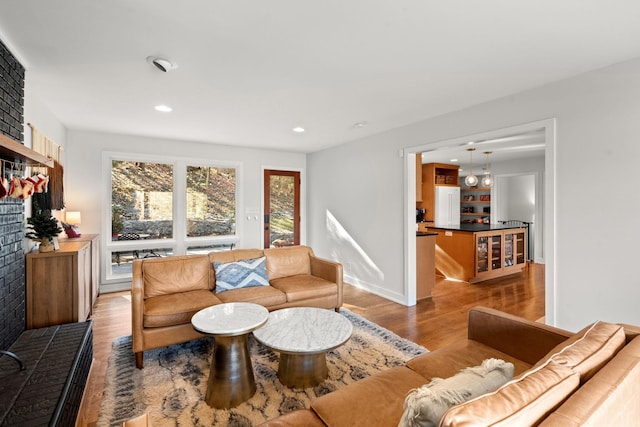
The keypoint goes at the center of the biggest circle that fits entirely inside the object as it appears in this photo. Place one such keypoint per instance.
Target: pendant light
(471, 180)
(487, 181)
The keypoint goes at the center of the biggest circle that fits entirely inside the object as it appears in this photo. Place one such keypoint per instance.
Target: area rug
(172, 385)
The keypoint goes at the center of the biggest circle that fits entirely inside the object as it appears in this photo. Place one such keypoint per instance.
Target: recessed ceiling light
(360, 125)
(298, 129)
(163, 108)
(453, 160)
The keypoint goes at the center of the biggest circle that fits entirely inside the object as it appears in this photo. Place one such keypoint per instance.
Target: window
(141, 200)
(162, 208)
(211, 201)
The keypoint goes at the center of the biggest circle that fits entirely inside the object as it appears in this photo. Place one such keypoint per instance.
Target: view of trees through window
(142, 199)
(211, 201)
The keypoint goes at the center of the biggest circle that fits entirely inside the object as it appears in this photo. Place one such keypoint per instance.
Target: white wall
(38, 114)
(598, 120)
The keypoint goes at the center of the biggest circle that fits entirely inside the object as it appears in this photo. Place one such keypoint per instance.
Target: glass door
(282, 208)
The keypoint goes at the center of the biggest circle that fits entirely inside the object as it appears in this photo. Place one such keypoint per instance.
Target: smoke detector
(162, 64)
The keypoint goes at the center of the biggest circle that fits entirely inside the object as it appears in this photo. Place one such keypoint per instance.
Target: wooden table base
(231, 379)
(302, 370)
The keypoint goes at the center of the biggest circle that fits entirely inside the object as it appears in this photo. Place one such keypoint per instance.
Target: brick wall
(12, 278)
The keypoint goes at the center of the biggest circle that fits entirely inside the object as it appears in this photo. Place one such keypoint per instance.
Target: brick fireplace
(12, 269)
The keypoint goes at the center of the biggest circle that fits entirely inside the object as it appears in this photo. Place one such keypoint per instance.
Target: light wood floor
(433, 323)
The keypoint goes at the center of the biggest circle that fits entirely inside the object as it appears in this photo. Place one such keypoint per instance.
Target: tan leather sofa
(562, 379)
(167, 292)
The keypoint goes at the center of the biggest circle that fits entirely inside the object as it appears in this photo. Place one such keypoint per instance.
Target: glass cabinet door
(483, 254)
(520, 248)
(508, 250)
(496, 252)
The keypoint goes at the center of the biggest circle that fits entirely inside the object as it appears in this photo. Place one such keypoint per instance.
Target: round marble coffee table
(231, 379)
(303, 336)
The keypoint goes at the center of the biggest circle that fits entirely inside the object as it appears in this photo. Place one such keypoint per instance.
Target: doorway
(281, 208)
(515, 199)
(545, 196)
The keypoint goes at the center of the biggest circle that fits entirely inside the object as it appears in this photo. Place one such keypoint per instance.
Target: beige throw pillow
(425, 406)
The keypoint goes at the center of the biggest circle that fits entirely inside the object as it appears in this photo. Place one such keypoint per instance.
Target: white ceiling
(249, 70)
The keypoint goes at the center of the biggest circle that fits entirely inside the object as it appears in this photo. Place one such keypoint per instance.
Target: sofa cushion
(164, 276)
(176, 309)
(264, 295)
(449, 360)
(304, 286)
(605, 399)
(288, 261)
(240, 274)
(234, 255)
(590, 349)
(381, 394)
(522, 402)
(425, 406)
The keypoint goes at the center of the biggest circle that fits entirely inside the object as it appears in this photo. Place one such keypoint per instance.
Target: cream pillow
(425, 406)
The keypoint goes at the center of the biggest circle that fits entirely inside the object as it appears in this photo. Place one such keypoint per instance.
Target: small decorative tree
(43, 228)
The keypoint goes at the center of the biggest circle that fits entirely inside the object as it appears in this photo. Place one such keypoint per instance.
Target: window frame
(179, 243)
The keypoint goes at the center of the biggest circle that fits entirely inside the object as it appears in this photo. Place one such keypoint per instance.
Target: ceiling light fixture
(298, 129)
(163, 108)
(162, 64)
(487, 181)
(360, 125)
(471, 180)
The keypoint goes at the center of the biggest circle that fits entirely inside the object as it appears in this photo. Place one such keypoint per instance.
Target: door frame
(549, 207)
(266, 171)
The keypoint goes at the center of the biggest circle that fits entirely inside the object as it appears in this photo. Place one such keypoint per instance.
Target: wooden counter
(474, 256)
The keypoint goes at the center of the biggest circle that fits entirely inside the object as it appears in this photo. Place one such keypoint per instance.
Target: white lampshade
(73, 218)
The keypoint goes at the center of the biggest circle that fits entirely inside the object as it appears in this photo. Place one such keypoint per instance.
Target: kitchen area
(456, 236)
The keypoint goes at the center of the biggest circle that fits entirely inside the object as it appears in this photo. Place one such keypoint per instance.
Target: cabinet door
(496, 252)
(51, 284)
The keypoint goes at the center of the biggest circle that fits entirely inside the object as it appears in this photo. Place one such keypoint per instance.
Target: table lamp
(73, 219)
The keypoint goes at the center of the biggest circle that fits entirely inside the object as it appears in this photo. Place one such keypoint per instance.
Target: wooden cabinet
(425, 264)
(435, 174)
(476, 256)
(499, 253)
(62, 285)
(475, 204)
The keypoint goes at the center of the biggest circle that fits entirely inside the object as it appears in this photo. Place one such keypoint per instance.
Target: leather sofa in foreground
(167, 292)
(562, 379)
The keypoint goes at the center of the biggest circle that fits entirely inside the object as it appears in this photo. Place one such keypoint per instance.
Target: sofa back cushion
(590, 349)
(235, 255)
(163, 276)
(522, 402)
(288, 261)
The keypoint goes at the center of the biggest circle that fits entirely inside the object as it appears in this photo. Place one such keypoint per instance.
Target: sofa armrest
(518, 337)
(137, 306)
(328, 270)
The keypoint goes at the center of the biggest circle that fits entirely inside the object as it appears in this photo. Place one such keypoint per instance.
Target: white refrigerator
(447, 206)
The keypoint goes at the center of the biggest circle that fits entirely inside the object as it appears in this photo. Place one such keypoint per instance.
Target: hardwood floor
(433, 322)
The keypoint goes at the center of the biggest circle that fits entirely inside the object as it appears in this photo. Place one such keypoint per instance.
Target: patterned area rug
(172, 385)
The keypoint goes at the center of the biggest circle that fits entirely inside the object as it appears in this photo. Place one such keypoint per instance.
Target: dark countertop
(475, 227)
(425, 233)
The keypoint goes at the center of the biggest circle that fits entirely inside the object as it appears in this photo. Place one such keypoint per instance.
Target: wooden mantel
(12, 149)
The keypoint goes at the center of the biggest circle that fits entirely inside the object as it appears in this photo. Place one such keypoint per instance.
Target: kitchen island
(476, 252)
